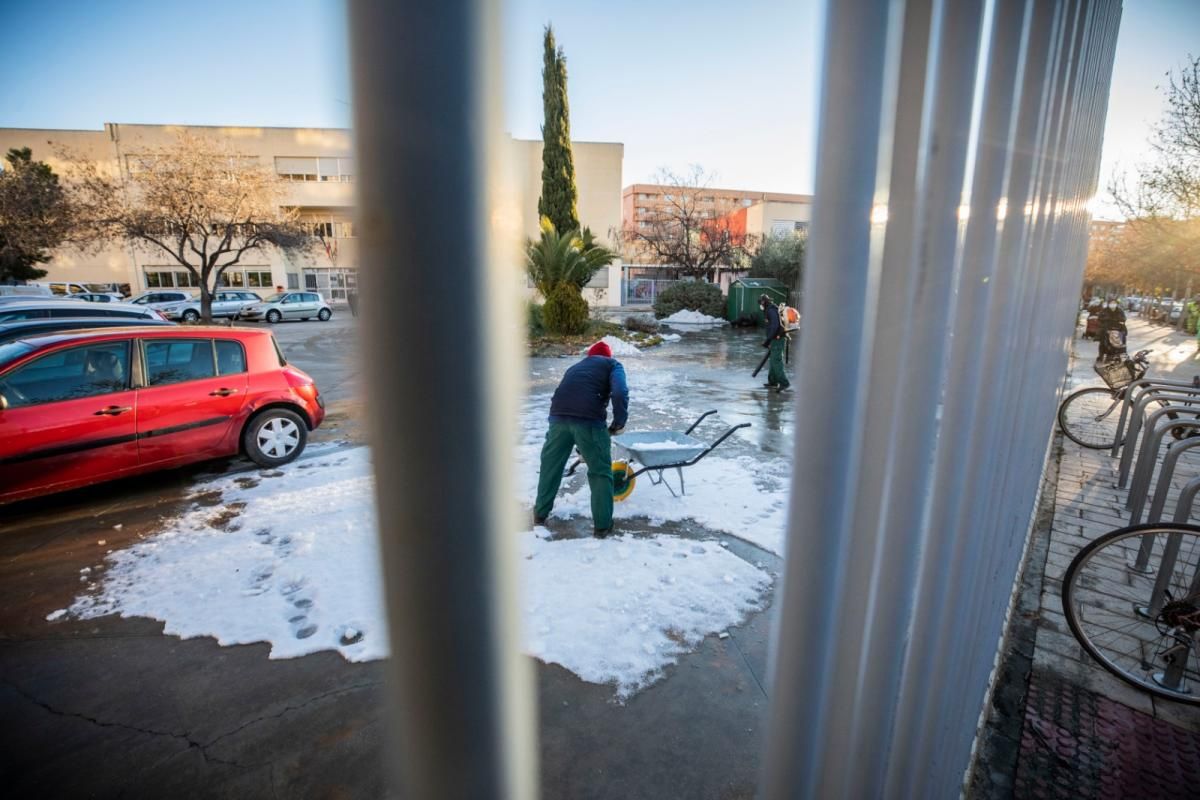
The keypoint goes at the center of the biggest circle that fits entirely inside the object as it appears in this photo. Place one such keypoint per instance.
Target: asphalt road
(112, 707)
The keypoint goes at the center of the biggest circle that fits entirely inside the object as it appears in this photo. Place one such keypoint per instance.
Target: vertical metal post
(459, 693)
(857, 50)
(912, 530)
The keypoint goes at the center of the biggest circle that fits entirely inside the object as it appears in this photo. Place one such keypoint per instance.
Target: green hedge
(693, 296)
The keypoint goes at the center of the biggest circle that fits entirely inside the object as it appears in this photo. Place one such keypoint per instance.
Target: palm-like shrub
(560, 265)
(565, 312)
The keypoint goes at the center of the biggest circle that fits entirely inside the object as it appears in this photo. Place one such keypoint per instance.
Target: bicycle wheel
(1089, 417)
(1140, 618)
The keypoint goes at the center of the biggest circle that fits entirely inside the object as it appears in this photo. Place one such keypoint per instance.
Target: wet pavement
(1060, 725)
(113, 707)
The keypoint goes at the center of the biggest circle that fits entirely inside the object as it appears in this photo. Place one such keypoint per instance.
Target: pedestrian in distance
(579, 419)
(1112, 332)
(352, 301)
(777, 378)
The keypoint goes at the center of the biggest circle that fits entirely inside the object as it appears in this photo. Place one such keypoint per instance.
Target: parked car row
(167, 304)
(78, 407)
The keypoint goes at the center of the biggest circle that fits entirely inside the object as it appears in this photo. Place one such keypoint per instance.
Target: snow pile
(618, 611)
(290, 558)
(670, 337)
(689, 317)
(649, 446)
(620, 347)
(294, 564)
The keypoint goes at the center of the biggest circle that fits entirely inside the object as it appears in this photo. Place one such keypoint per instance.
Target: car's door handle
(222, 392)
(113, 411)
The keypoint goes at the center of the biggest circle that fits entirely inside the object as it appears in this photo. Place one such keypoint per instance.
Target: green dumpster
(742, 303)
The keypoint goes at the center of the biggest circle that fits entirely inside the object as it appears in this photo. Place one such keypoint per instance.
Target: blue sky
(727, 85)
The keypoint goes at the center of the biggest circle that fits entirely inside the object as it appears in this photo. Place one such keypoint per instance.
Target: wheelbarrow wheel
(623, 480)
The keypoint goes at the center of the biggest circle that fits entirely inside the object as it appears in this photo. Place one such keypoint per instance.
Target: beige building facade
(319, 168)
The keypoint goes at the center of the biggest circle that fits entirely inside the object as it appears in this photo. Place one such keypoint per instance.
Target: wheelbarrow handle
(703, 417)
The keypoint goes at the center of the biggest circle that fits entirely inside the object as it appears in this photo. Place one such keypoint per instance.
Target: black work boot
(602, 533)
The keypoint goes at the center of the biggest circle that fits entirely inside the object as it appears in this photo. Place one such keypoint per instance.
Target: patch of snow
(621, 610)
(670, 337)
(743, 496)
(689, 317)
(56, 615)
(298, 569)
(669, 446)
(295, 568)
(620, 347)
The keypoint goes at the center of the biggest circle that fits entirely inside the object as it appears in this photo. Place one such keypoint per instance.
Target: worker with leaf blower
(776, 341)
(579, 419)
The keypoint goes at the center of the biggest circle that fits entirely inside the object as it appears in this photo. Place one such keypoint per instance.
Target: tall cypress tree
(558, 200)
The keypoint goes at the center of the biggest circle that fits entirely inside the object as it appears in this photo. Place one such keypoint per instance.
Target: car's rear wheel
(324, 315)
(191, 315)
(275, 437)
(273, 316)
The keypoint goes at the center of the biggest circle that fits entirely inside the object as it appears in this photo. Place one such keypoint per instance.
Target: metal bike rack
(1148, 455)
(1161, 491)
(1141, 385)
(1163, 486)
(1137, 422)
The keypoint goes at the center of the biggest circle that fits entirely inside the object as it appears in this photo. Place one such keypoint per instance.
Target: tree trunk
(205, 302)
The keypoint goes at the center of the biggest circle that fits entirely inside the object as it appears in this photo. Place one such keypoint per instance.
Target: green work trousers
(595, 446)
(777, 375)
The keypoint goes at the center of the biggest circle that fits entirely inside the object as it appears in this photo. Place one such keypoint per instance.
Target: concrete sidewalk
(1060, 725)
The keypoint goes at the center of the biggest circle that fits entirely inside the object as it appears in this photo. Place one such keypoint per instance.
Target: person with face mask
(1112, 331)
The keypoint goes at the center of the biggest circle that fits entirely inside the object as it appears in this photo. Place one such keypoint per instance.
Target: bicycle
(1086, 416)
(1132, 599)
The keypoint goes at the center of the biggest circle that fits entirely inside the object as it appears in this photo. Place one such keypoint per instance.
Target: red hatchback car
(81, 407)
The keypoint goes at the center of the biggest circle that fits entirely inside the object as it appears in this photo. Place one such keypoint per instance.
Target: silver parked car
(288, 305)
(225, 303)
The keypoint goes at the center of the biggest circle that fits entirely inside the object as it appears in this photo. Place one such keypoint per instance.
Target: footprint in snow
(260, 581)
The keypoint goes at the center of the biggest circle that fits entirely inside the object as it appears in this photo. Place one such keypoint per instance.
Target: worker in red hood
(579, 418)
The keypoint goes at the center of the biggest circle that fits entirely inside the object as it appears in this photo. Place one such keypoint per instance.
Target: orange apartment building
(640, 201)
(745, 212)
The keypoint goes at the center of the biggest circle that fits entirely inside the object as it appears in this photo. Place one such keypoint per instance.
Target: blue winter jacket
(584, 393)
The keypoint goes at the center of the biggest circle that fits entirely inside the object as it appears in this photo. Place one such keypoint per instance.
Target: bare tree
(1161, 198)
(196, 200)
(688, 227)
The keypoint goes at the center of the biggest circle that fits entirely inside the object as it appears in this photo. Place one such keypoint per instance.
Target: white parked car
(72, 289)
(158, 299)
(225, 303)
(288, 305)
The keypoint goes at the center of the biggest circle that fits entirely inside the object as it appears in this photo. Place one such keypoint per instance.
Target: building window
(329, 229)
(327, 169)
(158, 278)
(747, 202)
(293, 280)
(643, 224)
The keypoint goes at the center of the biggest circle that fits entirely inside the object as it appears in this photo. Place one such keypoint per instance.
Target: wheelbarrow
(656, 452)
